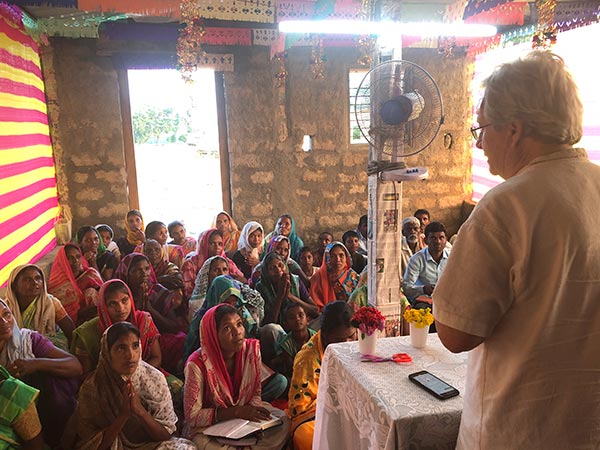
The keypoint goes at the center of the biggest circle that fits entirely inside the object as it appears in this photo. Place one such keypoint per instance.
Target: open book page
(265, 373)
(238, 428)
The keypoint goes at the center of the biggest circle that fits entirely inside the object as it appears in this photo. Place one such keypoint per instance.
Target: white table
(364, 405)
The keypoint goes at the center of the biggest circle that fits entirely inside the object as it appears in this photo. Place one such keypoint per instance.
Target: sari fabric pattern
(100, 400)
(73, 292)
(41, 314)
(322, 290)
(209, 385)
(16, 398)
(302, 396)
(267, 290)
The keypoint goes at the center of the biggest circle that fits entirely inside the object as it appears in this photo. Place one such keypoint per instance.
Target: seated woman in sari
(179, 237)
(169, 252)
(250, 246)
(30, 357)
(107, 235)
(279, 289)
(20, 426)
(167, 273)
(164, 307)
(75, 283)
(302, 396)
(125, 404)
(335, 279)
(223, 381)
(95, 253)
(286, 226)
(115, 305)
(209, 244)
(134, 224)
(228, 228)
(281, 245)
(35, 309)
(212, 268)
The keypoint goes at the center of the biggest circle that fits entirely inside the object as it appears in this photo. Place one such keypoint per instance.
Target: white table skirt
(364, 405)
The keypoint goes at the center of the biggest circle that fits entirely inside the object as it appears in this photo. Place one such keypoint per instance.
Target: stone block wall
(87, 137)
(325, 189)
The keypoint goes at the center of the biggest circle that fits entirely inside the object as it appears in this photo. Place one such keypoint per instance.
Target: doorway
(176, 146)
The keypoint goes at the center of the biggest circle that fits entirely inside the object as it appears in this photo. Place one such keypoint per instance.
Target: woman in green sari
(34, 308)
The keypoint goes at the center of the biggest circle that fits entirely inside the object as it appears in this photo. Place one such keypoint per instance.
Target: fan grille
(398, 108)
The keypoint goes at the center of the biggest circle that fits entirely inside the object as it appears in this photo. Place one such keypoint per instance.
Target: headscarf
(132, 236)
(101, 249)
(203, 247)
(19, 346)
(322, 290)
(227, 391)
(40, 314)
(122, 272)
(141, 319)
(61, 274)
(266, 286)
(295, 242)
(274, 243)
(230, 237)
(248, 229)
(201, 286)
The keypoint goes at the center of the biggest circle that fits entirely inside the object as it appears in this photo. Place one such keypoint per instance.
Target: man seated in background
(425, 267)
(411, 242)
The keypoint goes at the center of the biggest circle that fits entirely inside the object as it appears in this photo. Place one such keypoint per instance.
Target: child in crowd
(306, 262)
(298, 334)
(107, 235)
(325, 238)
(352, 243)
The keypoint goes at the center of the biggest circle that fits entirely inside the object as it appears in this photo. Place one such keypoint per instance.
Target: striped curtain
(573, 46)
(28, 197)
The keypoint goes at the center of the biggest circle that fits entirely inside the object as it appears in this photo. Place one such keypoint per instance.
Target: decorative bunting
(228, 36)
(262, 11)
(475, 7)
(545, 36)
(163, 8)
(85, 25)
(506, 14)
(327, 9)
(264, 36)
(191, 32)
(216, 61)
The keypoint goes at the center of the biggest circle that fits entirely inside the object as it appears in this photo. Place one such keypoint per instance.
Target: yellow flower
(420, 317)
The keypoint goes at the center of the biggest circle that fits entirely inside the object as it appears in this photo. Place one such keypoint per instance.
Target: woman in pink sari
(222, 381)
(75, 283)
(209, 244)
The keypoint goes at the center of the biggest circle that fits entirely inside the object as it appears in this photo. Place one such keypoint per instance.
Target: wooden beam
(128, 144)
(223, 142)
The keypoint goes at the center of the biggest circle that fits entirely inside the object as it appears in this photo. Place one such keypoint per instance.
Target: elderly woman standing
(75, 283)
(223, 381)
(125, 404)
(32, 358)
(35, 309)
(335, 279)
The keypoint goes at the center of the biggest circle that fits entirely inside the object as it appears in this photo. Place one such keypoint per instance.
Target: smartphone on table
(432, 384)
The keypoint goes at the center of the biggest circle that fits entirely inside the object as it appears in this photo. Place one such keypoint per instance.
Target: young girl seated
(223, 381)
(288, 345)
(302, 396)
(306, 262)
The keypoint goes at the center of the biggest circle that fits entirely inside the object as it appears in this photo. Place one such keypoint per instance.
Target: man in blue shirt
(425, 267)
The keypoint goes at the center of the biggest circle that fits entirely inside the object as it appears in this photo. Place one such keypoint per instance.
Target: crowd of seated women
(141, 342)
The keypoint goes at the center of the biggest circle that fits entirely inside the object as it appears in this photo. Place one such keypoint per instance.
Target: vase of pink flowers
(369, 322)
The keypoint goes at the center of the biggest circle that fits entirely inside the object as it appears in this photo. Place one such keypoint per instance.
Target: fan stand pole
(384, 242)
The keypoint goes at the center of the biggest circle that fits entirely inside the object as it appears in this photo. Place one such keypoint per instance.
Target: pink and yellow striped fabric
(28, 196)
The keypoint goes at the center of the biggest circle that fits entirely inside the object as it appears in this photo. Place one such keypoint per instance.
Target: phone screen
(434, 384)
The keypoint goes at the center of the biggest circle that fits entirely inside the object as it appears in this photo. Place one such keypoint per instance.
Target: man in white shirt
(411, 242)
(524, 299)
(426, 266)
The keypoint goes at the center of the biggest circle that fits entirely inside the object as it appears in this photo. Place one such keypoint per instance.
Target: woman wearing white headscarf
(250, 246)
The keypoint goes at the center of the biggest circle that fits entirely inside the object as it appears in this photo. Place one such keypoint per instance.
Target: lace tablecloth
(365, 405)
